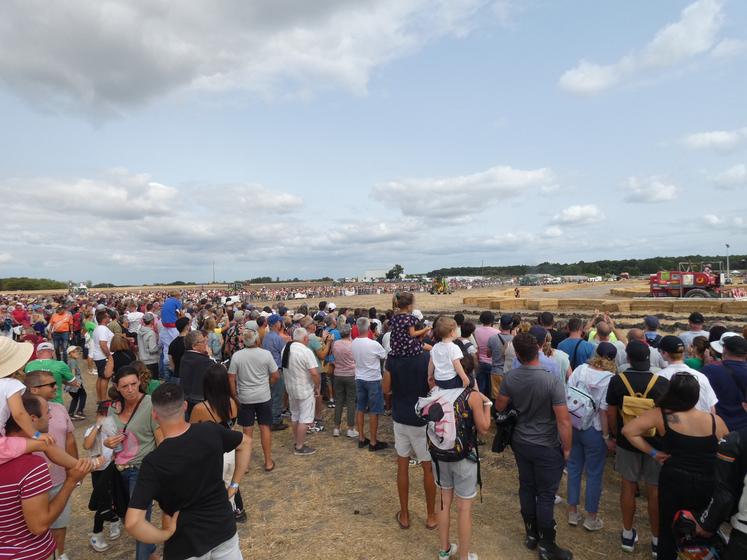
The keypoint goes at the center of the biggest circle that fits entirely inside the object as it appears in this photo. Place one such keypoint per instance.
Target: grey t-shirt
(497, 344)
(252, 367)
(533, 393)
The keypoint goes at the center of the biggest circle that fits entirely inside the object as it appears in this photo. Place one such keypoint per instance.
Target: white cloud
(455, 199)
(580, 214)
(553, 231)
(650, 190)
(106, 57)
(735, 176)
(712, 219)
(693, 34)
(5, 257)
(729, 48)
(718, 140)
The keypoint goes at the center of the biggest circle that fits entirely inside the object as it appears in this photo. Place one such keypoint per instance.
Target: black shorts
(100, 367)
(261, 411)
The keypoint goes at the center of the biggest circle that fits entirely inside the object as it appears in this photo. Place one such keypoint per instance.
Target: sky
(143, 140)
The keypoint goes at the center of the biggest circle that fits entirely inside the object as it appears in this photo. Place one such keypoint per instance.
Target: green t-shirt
(90, 326)
(59, 370)
(695, 363)
(153, 384)
(315, 343)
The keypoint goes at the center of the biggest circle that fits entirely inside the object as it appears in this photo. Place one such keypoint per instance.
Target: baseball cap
(606, 350)
(331, 306)
(417, 314)
(298, 316)
(71, 349)
(638, 355)
(672, 344)
(148, 317)
(539, 333)
(45, 346)
(720, 344)
(651, 321)
(274, 318)
(506, 321)
(696, 318)
(251, 325)
(282, 310)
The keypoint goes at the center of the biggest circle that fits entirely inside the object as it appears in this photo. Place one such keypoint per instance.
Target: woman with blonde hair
(589, 450)
(214, 338)
(562, 359)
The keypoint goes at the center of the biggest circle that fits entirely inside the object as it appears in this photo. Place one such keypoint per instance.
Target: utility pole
(213, 272)
(728, 268)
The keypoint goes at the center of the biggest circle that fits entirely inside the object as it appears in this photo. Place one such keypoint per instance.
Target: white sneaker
(444, 554)
(472, 556)
(593, 524)
(115, 530)
(352, 433)
(97, 542)
(574, 518)
(336, 432)
(558, 500)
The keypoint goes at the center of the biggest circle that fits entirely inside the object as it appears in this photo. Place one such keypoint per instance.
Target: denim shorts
(369, 396)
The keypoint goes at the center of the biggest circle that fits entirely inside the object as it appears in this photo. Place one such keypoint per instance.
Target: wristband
(37, 435)
(653, 452)
(234, 485)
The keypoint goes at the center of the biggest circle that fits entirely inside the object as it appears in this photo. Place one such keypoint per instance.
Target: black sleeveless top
(226, 423)
(696, 454)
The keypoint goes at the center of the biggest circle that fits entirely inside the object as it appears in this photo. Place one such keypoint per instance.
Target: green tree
(395, 272)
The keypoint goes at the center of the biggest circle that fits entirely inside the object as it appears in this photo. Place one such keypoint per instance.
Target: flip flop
(270, 468)
(401, 525)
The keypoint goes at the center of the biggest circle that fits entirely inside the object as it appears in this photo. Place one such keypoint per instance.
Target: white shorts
(411, 441)
(302, 410)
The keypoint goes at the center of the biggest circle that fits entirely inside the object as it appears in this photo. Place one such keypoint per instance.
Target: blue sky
(143, 140)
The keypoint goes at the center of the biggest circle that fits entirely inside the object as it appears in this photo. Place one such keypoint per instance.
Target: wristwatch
(234, 485)
(37, 435)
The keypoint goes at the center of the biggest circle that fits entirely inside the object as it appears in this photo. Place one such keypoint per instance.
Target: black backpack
(467, 362)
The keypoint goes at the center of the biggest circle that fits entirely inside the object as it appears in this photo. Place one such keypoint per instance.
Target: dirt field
(340, 503)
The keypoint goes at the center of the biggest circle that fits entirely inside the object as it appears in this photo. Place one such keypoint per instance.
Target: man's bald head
(603, 331)
(637, 334)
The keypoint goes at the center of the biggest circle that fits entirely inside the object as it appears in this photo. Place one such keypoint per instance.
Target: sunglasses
(52, 384)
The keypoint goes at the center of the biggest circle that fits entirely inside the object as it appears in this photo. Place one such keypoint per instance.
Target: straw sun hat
(13, 355)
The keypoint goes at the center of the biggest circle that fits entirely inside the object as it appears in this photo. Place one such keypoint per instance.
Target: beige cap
(13, 355)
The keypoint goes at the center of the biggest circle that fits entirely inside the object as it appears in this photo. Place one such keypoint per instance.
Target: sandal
(269, 469)
(401, 525)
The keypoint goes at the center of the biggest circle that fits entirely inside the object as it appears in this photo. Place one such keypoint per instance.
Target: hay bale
(581, 303)
(616, 306)
(511, 304)
(738, 307)
(688, 305)
(652, 304)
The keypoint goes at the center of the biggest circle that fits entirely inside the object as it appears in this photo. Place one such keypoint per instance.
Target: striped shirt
(21, 479)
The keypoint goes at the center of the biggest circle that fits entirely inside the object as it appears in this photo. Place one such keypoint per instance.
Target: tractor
(440, 285)
(691, 281)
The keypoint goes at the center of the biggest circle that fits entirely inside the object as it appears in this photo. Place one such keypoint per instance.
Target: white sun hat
(13, 355)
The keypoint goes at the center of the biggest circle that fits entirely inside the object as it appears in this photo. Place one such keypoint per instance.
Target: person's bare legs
(443, 519)
(429, 486)
(373, 426)
(299, 433)
(403, 489)
(101, 387)
(653, 509)
(627, 503)
(59, 539)
(464, 526)
(265, 438)
(359, 422)
(249, 433)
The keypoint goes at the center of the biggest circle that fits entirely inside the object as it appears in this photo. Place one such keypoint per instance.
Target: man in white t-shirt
(100, 352)
(368, 354)
(673, 351)
(302, 382)
(134, 318)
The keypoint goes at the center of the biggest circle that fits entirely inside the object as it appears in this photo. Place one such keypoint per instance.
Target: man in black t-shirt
(185, 476)
(632, 465)
(176, 348)
(406, 379)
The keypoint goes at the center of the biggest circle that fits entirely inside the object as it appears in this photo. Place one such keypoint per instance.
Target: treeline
(635, 267)
(24, 283)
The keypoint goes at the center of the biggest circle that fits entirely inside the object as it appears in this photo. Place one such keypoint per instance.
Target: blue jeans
(277, 391)
(142, 550)
(61, 341)
(483, 378)
(589, 453)
(369, 397)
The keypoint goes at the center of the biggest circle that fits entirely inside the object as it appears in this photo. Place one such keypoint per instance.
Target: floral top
(402, 344)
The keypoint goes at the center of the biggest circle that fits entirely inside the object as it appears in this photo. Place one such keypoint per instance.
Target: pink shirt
(482, 334)
(344, 361)
(59, 426)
